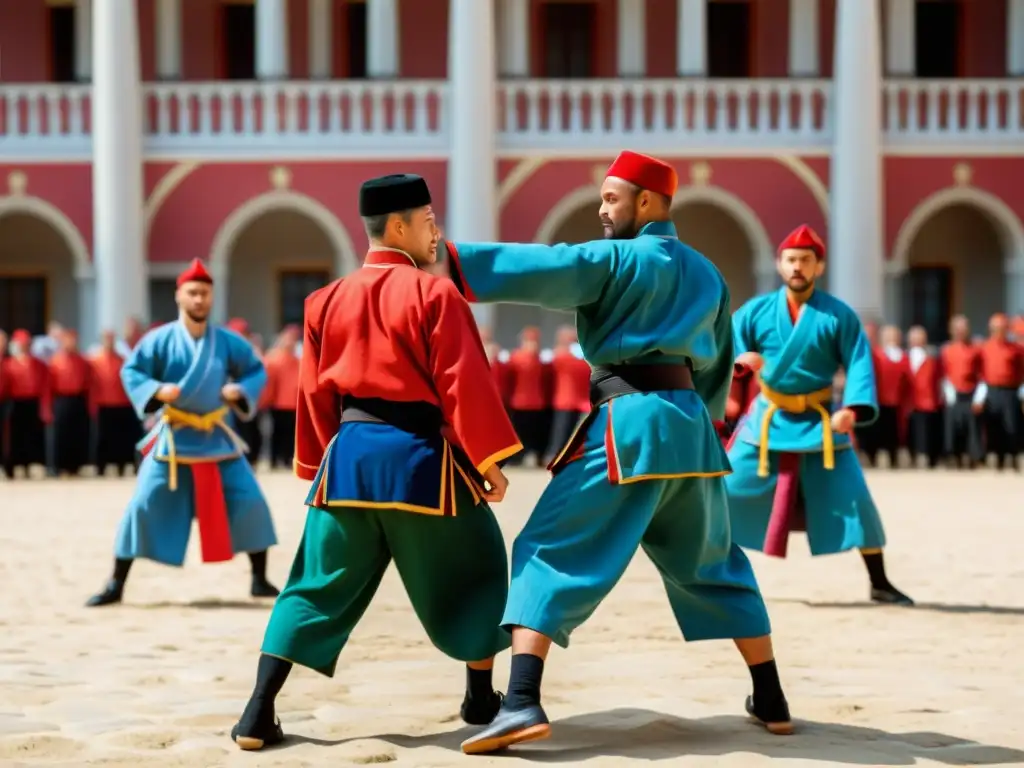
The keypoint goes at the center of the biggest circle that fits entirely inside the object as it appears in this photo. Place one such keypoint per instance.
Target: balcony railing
(409, 118)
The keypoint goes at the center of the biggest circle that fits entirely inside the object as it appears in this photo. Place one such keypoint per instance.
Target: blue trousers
(158, 521)
(584, 531)
(840, 512)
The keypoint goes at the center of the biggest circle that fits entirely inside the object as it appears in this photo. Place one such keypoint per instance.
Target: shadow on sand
(640, 734)
(207, 604)
(990, 610)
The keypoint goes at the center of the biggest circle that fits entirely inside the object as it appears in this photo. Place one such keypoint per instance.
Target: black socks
(767, 686)
(876, 570)
(259, 565)
(122, 566)
(270, 676)
(524, 681)
(479, 683)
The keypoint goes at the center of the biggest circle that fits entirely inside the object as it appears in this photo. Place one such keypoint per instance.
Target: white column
(83, 40)
(692, 38)
(515, 38)
(382, 38)
(1015, 38)
(119, 241)
(900, 38)
(321, 39)
(472, 170)
(856, 256)
(168, 39)
(272, 39)
(804, 44)
(632, 43)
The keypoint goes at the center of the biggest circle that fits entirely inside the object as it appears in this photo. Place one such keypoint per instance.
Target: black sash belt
(607, 382)
(417, 417)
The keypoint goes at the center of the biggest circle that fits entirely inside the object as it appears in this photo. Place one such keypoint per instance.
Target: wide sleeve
(470, 400)
(248, 372)
(562, 277)
(317, 409)
(139, 376)
(860, 393)
(714, 382)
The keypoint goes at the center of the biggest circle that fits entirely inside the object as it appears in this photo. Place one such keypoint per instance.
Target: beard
(623, 231)
(799, 283)
(197, 316)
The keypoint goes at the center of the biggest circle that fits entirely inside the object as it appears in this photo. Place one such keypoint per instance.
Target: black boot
(259, 726)
(114, 590)
(767, 705)
(481, 702)
(520, 718)
(882, 590)
(260, 586)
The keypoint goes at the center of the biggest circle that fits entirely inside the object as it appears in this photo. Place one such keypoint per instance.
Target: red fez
(239, 326)
(806, 238)
(646, 172)
(196, 273)
(21, 337)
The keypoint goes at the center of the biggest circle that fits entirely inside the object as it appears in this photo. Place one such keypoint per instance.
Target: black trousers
(282, 437)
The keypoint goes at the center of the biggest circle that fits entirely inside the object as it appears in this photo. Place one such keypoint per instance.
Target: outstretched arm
(553, 276)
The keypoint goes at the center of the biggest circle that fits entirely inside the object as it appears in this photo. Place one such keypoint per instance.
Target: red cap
(646, 172)
(239, 326)
(196, 273)
(21, 337)
(804, 237)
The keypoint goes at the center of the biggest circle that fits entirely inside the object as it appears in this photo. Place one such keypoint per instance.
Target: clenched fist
(752, 360)
(168, 393)
(231, 392)
(843, 421)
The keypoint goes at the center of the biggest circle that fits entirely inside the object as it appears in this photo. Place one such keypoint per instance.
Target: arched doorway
(38, 282)
(275, 262)
(715, 232)
(271, 253)
(953, 255)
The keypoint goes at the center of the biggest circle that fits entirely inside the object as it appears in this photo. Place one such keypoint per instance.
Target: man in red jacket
(925, 430)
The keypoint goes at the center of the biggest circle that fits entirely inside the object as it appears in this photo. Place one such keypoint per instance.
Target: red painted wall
(24, 42)
(66, 187)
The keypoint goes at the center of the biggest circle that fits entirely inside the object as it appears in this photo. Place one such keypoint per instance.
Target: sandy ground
(160, 680)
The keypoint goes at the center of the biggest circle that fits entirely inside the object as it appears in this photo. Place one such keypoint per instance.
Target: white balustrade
(693, 114)
(407, 118)
(918, 114)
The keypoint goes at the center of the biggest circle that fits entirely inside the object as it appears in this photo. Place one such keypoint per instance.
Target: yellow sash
(203, 422)
(796, 404)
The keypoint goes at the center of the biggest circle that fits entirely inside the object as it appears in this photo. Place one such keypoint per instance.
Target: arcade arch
(271, 253)
(42, 258)
(959, 251)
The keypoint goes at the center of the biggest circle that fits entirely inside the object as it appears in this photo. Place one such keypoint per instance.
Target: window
(62, 43)
(23, 304)
(937, 36)
(293, 288)
(162, 308)
(728, 39)
(569, 33)
(355, 39)
(928, 300)
(238, 40)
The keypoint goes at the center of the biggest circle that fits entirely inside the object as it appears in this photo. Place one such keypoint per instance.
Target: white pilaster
(83, 40)
(382, 38)
(472, 171)
(900, 38)
(692, 38)
(1015, 38)
(119, 242)
(804, 45)
(515, 38)
(321, 38)
(272, 39)
(168, 39)
(632, 43)
(856, 256)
